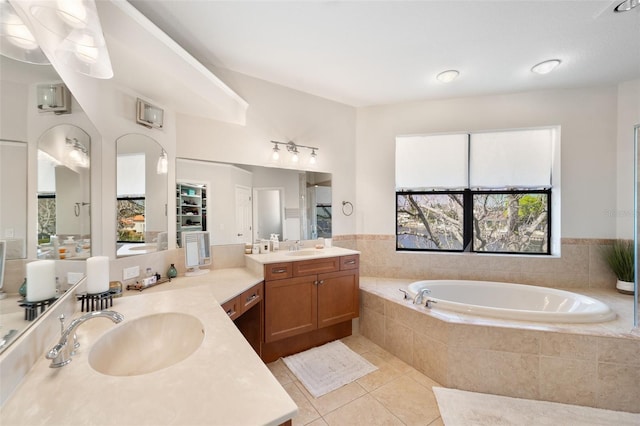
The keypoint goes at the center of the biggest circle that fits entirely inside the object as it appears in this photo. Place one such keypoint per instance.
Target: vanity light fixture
(626, 5)
(163, 163)
(148, 115)
(292, 148)
(54, 98)
(546, 67)
(16, 40)
(77, 152)
(448, 76)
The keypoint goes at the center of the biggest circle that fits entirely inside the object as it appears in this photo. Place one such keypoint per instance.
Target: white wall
(588, 120)
(628, 117)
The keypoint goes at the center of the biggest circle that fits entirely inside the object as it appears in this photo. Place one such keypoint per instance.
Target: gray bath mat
(328, 367)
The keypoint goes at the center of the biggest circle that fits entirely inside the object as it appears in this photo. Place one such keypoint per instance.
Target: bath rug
(462, 408)
(326, 368)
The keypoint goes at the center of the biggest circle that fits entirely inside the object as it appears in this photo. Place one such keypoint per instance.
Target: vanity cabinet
(309, 302)
(246, 311)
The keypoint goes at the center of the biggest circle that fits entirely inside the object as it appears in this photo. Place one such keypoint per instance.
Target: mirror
(13, 198)
(141, 189)
(21, 127)
(64, 193)
(245, 203)
(636, 294)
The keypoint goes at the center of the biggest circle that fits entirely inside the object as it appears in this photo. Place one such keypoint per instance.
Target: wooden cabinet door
(290, 307)
(337, 297)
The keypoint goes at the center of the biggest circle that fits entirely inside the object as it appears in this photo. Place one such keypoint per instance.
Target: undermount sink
(147, 344)
(304, 252)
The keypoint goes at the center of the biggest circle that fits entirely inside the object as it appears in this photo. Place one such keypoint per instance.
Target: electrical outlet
(130, 273)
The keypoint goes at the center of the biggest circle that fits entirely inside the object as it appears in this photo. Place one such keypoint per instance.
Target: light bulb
(19, 35)
(314, 157)
(294, 157)
(448, 76)
(276, 153)
(546, 66)
(72, 12)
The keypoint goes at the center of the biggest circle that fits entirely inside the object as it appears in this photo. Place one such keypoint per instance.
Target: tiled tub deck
(595, 365)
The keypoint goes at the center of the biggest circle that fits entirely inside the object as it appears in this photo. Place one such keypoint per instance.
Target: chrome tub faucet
(60, 354)
(420, 296)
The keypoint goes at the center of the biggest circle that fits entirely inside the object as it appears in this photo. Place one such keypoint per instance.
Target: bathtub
(512, 301)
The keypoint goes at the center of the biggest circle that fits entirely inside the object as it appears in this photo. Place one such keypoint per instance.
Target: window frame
(468, 219)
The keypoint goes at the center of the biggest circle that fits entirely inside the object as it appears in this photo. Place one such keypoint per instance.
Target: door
(243, 214)
(337, 297)
(290, 307)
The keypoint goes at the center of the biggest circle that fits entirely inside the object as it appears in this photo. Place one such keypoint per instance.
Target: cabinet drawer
(251, 297)
(277, 271)
(349, 262)
(232, 307)
(316, 266)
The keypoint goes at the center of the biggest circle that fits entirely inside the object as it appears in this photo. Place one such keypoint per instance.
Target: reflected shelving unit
(191, 204)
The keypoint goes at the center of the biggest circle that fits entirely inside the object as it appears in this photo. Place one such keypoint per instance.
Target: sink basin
(147, 344)
(304, 252)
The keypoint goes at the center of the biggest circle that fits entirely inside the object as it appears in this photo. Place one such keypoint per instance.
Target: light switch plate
(130, 273)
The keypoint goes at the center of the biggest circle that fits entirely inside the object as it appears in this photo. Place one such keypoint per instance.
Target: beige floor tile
(363, 411)
(281, 372)
(332, 400)
(384, 374)
(359, 344)
(319, 422)
(422, 379)
(437, 422)
(412, 403)
(306, 412)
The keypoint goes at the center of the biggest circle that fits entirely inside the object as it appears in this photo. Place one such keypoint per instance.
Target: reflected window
(323, 217)
(131, 219)
(46, 217)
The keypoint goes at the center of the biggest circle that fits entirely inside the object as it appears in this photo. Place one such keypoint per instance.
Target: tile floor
(395, 394)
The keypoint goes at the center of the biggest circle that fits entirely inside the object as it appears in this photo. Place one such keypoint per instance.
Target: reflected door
(243, 214)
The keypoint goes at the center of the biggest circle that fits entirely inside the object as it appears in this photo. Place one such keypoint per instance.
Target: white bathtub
(513, 301)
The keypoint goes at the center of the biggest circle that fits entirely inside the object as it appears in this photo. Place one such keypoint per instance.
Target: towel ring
(347, 208)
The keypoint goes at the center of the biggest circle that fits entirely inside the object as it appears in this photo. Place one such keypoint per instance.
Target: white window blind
(511, 159)
(131, 175)
(432, 162)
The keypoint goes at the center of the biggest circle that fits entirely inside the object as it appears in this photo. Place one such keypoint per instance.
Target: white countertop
(292, 256)
(223, 382)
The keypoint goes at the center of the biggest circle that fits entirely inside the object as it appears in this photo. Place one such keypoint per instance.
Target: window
(131, 221)
(46, 217)
(486, 192)
(131, 197)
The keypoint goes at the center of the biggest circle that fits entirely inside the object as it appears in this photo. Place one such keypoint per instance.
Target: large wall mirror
(244, 203)
(141, 195)
(636, 316)
(64, 193)
(24, 131)
(13, 198)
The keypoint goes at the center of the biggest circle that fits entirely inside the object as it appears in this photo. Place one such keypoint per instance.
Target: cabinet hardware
(231, 312)
(252, 298)
(320, 282)
(350, 262)
(279, 271)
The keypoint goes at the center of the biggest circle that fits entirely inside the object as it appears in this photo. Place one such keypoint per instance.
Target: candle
(41, 280)
(97, 274)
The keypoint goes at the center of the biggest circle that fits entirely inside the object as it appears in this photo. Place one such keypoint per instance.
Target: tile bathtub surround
(583, 364)
(581, 264)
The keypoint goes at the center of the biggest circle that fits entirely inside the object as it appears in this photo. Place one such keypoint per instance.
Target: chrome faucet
(60, 354)
(418, 299)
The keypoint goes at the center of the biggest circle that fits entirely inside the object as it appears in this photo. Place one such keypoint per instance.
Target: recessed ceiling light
(626, 5)
(546, 66)
(448, 76)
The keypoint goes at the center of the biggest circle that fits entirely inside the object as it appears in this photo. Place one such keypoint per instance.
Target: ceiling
(379, 52)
